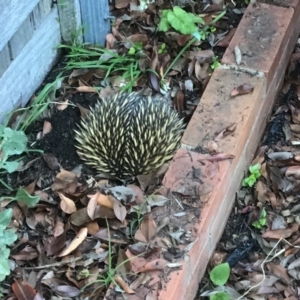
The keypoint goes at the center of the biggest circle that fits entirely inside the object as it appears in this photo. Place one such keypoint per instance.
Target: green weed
(12, 142)
(254, 175)
(197, 36)
(219, 276)
(215, 63)
(81, 57)
(109, 277)
(9, 236)
(259, 224)
(186, 23)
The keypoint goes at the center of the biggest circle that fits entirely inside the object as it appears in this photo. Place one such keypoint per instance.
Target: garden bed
(260, 241)
(64, 245)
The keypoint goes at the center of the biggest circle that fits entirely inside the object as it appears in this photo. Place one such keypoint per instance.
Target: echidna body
(128, 135)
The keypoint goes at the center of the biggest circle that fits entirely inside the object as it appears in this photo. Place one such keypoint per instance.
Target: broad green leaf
(4, 251)
(183, 25)
(29, 200)
(220, 274)
(8, 236)
(164, 13)
(4, 268)
(249, 181)
(259, 224)
(14, 142)
(180, 13)
(131, 51)
(195, 18)
(254, 168)
(2, 127)
(219, 296)
(9, 166)
(5, 217)
(164, 25)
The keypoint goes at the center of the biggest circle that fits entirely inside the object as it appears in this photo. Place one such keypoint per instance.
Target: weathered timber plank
(70, 20)
(26, 73)
(21, 37)
(40, 12)
(4, 59)
(12, 14)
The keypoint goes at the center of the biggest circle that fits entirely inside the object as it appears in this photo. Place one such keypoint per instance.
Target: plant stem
(7, 186)
(192, 41)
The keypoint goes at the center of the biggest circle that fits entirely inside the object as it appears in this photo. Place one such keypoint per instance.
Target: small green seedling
(138, 46)
(162, 48)
(259, 224)
(254, 175)
(219, 276)
(215, 63)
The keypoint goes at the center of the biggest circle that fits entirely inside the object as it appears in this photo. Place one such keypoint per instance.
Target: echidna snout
(128, 135)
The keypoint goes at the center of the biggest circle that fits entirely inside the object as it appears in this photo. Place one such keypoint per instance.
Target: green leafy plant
(162, 48)
(33, 111)
(24, 197)
(186, 23)
(108, 277)
(259, 224)
(138, 46)
(180, 20)
(197, 36)
(215, 63)
(254, 175)
(84, 56)
(7, 237)
(219, 276)
(12, 142)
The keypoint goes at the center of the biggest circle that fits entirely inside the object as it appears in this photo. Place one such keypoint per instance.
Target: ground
(68, 210)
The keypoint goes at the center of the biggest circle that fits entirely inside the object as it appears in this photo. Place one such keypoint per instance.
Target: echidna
(128, 135)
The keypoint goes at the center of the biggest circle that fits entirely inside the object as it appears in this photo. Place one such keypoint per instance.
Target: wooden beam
(26, 73)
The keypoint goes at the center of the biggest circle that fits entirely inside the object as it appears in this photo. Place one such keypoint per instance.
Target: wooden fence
(30, 32)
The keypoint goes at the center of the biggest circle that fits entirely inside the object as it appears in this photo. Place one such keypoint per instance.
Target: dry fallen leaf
(119, 210)
(280, 233)
(147, 229)
(279, 271)
(121, 3)
(67, 205)
(104, 200)
(86, 89)
(59, 228)
(80, 237)
(242, 90)
(91, 207)
(225, 132)
(226, 40)
(46, 128)
(23, 291)
(124, 285)
(63, 105)
(157, 264)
